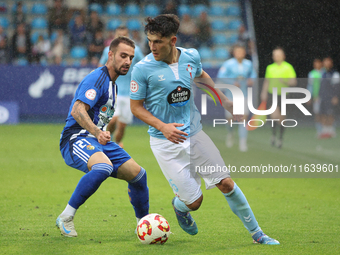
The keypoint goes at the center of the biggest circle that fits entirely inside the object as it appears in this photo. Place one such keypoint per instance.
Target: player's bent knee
(96, 158)
(226, 185)
(195, 205)
(128, 170)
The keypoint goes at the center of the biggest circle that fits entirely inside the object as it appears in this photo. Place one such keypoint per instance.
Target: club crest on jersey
(90, 147)
(189, 69)
(179, 96)
(133, 86)
(91, 94)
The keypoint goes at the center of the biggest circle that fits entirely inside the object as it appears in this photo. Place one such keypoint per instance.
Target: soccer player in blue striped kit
(162, 80)
(86, 145)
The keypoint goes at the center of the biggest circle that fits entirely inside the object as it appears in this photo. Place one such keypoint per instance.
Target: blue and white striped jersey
(98, 91)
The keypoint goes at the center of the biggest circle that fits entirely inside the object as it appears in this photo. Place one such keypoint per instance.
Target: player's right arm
(137, 96)
(169, 130)
(79, 113)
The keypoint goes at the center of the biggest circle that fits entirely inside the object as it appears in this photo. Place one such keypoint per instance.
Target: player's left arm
(226, 103)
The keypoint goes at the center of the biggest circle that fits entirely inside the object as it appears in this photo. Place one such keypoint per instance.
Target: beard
(119, 70)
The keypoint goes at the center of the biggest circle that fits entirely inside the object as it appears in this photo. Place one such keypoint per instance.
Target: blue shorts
(77, 152)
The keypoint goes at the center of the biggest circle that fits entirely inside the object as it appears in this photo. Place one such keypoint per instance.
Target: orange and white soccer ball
(153, 229)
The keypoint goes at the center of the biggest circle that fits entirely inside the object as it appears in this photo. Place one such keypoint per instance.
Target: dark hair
(239, 46)
(164, 24)
(121, 39)
(279, 48)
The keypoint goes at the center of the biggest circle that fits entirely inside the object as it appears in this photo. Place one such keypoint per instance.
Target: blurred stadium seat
(22, 62)
(183, 9)
(151, 10)
(233, 11)
(220, 39)
(198, 9)
(221, 53)
(219, 25)
(39, 9)
(4, 22)
(39, 23)
(24, 8)
(216, 11)
(96, 7)
(78, 52)
(35, 35)
(132, 10)
(234, 25)
(54, 36)
(205, 52)
(232, 39)
(133, 24)
(3, 8)
(114, 9)
(113, 24)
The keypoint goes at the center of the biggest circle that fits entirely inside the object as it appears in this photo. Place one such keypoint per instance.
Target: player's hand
(237, 84)
(250, 82)
(103, 137)
(171, 132)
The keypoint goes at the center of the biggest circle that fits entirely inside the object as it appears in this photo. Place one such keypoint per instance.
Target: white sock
(69, 211)
(138, 219)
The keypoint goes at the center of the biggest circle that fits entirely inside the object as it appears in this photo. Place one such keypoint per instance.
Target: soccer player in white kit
(162, 81)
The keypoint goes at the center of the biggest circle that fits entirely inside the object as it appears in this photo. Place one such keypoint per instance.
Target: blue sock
(180, 206)
(139, 194)
(242, 132)
(89, 183)
(239, 205)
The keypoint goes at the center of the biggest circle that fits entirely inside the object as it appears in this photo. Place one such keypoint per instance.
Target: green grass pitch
(302, 213)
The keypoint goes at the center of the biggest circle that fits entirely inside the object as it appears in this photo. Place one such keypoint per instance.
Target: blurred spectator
(21, 44)
(204, 32)
(94, 62)
(97, 45)
(140, 40)
(57, 16)
(244, 40)
(76, 6)
(18, 15)
(93, 25)
(57, 60)
(3, 47)
(84, 62)
(196, 2)
(59, 46)
(329, 94)
(109, 38)
(101, 2)
(41, 48)
(78, 32)
(170, 8)
(187, 31)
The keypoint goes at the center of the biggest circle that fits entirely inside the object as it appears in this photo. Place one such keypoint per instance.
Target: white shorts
(123, 110)
(184, 164)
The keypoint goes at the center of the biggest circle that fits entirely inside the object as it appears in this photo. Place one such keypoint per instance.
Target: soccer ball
(153, 228)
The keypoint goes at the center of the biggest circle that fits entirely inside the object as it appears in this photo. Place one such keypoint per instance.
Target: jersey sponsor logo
(179, 96)
(134, 86)
(91, 94)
